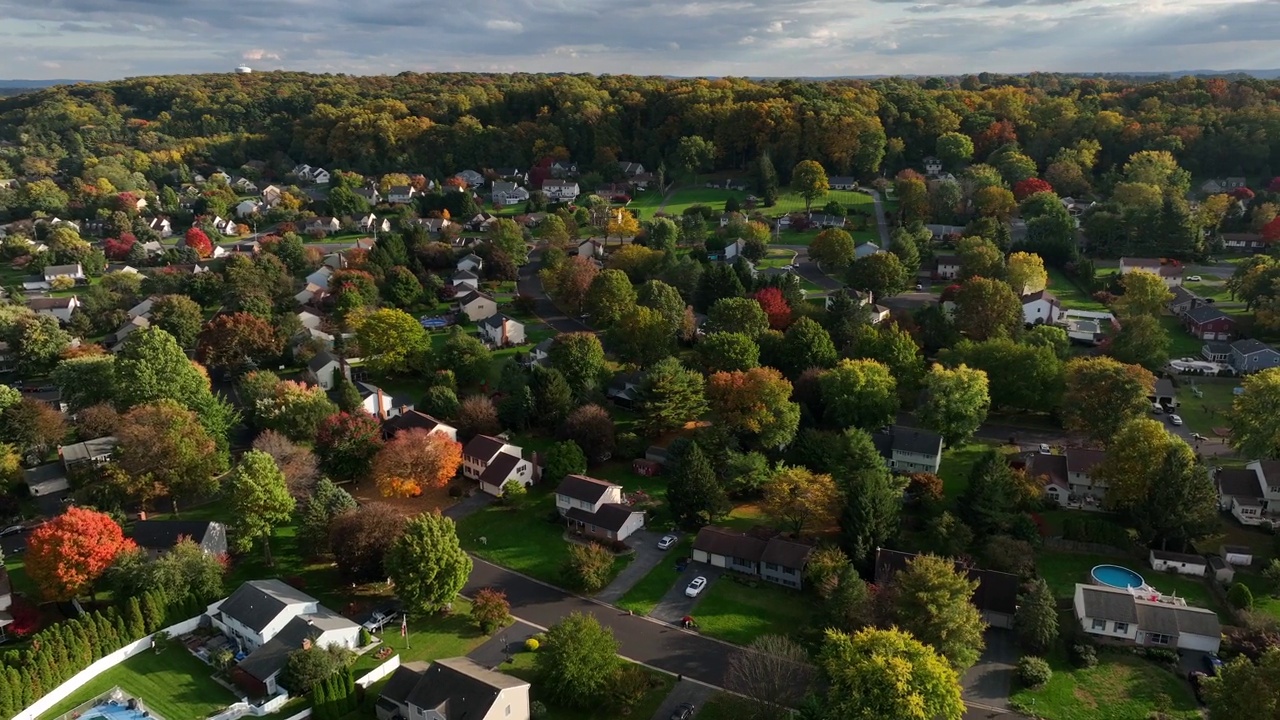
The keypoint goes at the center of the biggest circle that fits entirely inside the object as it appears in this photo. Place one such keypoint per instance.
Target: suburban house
(563, 168)
(1251, 494)
(1222, 185)
(452, 689)
(1244, 242)
(477, 306)
(158, 537)
(823, 220)
(370, 223)
(466, 279)
(776, 560)
(327, 224)
(248, 207)
(161, 226)
(932, 166)
(115, 341)
(432, 225)
(53, 272)
(1209, 323)
(842, 182)
(1067, 478)
(380, 404)
(401, 194)
(510, 173)
(1142, 618)
(470, 262)
(590, 249)
(1181, 563)
(1170, 271)
(48, 483)
(495, 462)
(948, 267)
(508, 193)
(415, 420)
(96, 451)
(142, 309)
(996, 596)
(597, 508)
(614, 192)
(57, 307)
(630, 169)
(866, 249)
(910, 450)
(1164, 393)
(1250, 356)
(625, 388)
(323, 366)
(471, 178)
(268, 620)
(539, 353)
(501, 331)
(1183, 301)
(271, 195)
(560, 190)
(1040, 308)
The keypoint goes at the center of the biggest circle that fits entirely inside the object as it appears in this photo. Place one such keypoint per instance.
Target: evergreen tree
(153, 611)
(1036, 621)
(7, 706)
(694, 492)
(320, 702)
(345, 394)
(552, 396)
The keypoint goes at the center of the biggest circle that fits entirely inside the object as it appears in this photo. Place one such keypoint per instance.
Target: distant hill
(17, 87)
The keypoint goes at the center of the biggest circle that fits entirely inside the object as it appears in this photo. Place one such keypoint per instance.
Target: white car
(1175, 420)
(667, 541)
(695, 587)
(1044, 449)
(1193, 278)
(919, 287)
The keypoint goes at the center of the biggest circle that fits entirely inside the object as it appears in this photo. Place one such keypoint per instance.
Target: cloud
(504, 26)
(259, 54)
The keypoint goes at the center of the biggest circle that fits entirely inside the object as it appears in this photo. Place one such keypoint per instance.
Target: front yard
(644, 595)
(430, 638)
(1212, 409)
(522, 666)
(738, 613)
(173, 684)
(1120, 687)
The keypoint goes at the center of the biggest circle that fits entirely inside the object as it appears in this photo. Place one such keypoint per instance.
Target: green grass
(1212, 409)
(1181, 342)
(173, 684)
(788, 202)
(738, 613)
(430, 638)
(522, 666)
(645, 203)
(1212, 288)
(1120, 687)
(1062, 570)
(1265, 599)
(1070, 294)
(744, 517)
(957, 462)
(644, 595)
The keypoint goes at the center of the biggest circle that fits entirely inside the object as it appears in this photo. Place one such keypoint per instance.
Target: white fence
(100, 666)
(379, 672)
(240, 709)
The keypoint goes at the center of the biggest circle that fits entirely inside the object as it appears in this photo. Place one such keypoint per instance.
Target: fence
(98, 667)
(241, 709)
(379, 672)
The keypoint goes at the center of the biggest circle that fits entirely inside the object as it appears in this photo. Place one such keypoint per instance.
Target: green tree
(1144, 294)
(806, 344)
(1240, 596)
(694, 154)
(894, 347)
(881, 274)
(872, 499)
(1103, 394)
(987, 308)
(954, 149)
(179, 316)
(665, 299)
(36, 342)
(551, 396)
(766, 177)
(588, 566)
(980, 257)
(1255, 431)
(1036, 620)
(755, 405)
(1244, 689)
(577, 661)
(859, 393)
(728, 351)
(466, 356)
(327, 501)
(401, 288)
(833, 248)
(737, 315)
(641, 337)
(932, 601)
(580, 359)
(1030, 375)
(866, 678)
(1025, 273)
(427, 565)
(955, 402)
(903, 244)
(663, 235)
(670, 396)
(809, 181)
(694, 493)
(345, 394)
(610, 296)
(564, 459)
(390, 340)
(507, 236)
(164, 447)
(260, 501)
(86, 380)
(1142, 340)
(718, 282)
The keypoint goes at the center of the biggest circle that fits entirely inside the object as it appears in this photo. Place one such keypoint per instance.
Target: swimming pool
(116, 712)
(1117, 577)
(433, 323)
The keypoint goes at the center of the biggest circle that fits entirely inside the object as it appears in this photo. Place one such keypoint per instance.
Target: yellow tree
(1026, 274)
(623, 223)
(996, 202)
(1144, 294)
(798, 498)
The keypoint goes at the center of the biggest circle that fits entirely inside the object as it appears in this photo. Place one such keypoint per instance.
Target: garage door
(1188, 641)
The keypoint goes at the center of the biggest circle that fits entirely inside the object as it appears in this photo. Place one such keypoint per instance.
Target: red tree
(415, 460)
(347, 443)
(1271, 231)
(66, 556)
(198, 241)
(118, 248)
(997, 133)
(776, 307)
(1026, 188)
(229, 340)
(127, 201)
(1242, 193)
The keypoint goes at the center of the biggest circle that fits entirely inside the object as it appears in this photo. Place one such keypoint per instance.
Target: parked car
(11, 530)
(1193, 278)
(1044, 449)
(919, 287)
(1198, 437)
(684, 712)
(695, 587)
(667, 542)
(1175, 419)
(381, 617)
(1212, 663)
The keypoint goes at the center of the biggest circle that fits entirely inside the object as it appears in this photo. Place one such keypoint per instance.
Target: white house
(471, 178)
(401, 194)
(910, 450)
(320, 176)
(1169, 271)
(320, 278)
(379, 404)
(268, 620)
(1181, 563)
(495, 462)
(842, 182)
(325, 223)
(452, 689)
(1251, 494)
(866, 249)
(1146, 618)
(58, 307)
(597, 508)
(248, 207)
(1040, 308)
(501, 331)
(466, 279)
(508, 193)
(948, 267)
(52, 272)
(161, 226)
(470, 262)
(413, 419)
(560, 190)
(323, 366)
(370, 223)
(477, 306)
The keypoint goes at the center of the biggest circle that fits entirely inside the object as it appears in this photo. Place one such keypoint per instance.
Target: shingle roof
(1182, 295)
(483, 447)
(1082, 460)
(271, 657)
(1039, 295)
(496, 322)
(460, 689)
(610, 516)
(257, 602)
(470, 297)
(1249, 346)
(410, 420)
(1205, 313)
(1053, 467)
(1238, 482)
(1198, 621)
(586, 489)
(499, 469)
(465, 275)
(1177, 557)
(322, 359)
(909, 439)
(50, 303)
(718, 541)
(164, 534)
(1109, 604)
(403, 681)
(1157, 618)
(786, 553)
(1218, 348)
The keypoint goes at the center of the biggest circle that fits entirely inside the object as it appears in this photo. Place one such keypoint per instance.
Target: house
(48, 483)
(1170, 271)
(432, 225)
(248, 207)
(1180, 563)
(1238, 555)
(142, 309)
(309, 318)
(842, 182)
(1081, 465)
(245, 185)
(471, 262)
(590, 249)
(1051, 471)
(326, 223)
(562, 169)
(323, 366)
(413, 419)
(932, 166)
(510, 173)
(1218, 352)
(401, 194)
(540, 353)
(866, 249)
(501, 331)
(1164, 393)
(271, 195)
(508, 193)
(1222, 185)
(320, 277)
(58, 307)
(370, 223)
(560, 190)
(947, 267)
(477, 306)
(471, 178)
(641, 181)
(1183, 301)
(1040, 308)
(596, 508)
(115, 341)
(630, 168)
(162, 226)
(1251, 494)
(996, 596)
(625, 388)
(495, 462)
(1136, 618)
(823, 220)
(466, 280)
(159, 536)
(379, 404)
(1250, 356)
(481, 222)
(267, 620)
(776, 560)
(1207, 322)
(96, 451)
(75, 272)
(320, 176)
(910, 450)
(452, 689)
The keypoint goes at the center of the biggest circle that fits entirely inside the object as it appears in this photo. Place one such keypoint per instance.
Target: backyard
(1070, 295)
(736, 612)
(1120, 687)
(683, 198)
(1062, 570)
(1181, 342)
(957, 463)
(1211, 410)
(174, 684)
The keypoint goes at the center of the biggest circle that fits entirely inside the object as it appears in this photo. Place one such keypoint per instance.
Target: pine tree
(90, 633)
(1036, 621)
(110, 638)
(694, 492)
(349, 681)
(7, 706)
(133, 618)
(319, 702)
(30, 688)
(153, 611)
(345, 394)
(122, 631)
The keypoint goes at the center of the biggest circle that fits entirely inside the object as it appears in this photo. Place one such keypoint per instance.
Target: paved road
(674, 604)
(510, 640)
(881, 225)
(529, 284)
(684, 692)
(648, 556)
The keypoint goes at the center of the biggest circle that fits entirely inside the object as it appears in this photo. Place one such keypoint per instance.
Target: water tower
(244, 70)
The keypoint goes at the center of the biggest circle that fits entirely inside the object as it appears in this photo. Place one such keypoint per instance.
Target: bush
(366, 637)
(1240, 597)
(537, 710)
(1083, 655)
(630, 446)
(1033, 671)
(532, 644)
(1161, 656)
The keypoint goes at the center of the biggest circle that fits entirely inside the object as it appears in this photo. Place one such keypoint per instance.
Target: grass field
(173, 684)
(430, 638)
(1212, 409)
(1063, 570)
(1181, 342)
(957, 462)
(738, 613)
(1120, 687)
(681, 199)
(1070, 294)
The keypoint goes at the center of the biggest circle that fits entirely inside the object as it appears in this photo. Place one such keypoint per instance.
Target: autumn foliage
(1026, 188)
(775, 307)
(66, 556)
(415, 460)
(229, 340)
(1271, 231)
(198, 241)
(118, 248)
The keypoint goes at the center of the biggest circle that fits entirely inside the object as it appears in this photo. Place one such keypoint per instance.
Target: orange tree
(415, 460)
(66, 556)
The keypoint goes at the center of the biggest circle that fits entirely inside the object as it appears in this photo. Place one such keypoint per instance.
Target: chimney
(306, 643)
(380, 411)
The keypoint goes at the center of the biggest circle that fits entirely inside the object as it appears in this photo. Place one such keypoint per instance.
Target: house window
(1158, 639)
(1099, 624)
(1122, 628)
(591, 528)
(771, 566)
(508, 712)
(741, 562)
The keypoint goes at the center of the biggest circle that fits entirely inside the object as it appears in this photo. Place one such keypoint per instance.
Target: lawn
(1062, 570)
(1070, 295)
(645, 203)
(1181, 342)
(522, 666)
(522, 538)
(430, 638)
(644, 595)
(957, 462)
(738, 613)
(174, 684)
(1120, 687)
(1264, 598)
(1212, 409)
(1212, 288)
(788, 202)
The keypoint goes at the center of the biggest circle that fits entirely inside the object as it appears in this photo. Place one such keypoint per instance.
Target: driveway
(684, 692)
(468, 505)
(989, 681)
(675, 604)
(645, 543)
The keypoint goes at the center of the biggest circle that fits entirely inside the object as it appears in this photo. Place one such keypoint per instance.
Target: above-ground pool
(1117, 577)
(434, 323)
(116, 712)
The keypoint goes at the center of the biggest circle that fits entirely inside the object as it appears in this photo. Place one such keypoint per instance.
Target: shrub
(1033, 671)
(1161, 656)
(537, 710)
(365, 637)
(532, 644)
(1083, 655)
(1240, 597)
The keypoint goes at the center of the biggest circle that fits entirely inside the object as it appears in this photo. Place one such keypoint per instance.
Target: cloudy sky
(104, 39)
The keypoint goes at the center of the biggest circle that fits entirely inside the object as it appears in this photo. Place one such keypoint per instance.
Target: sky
(106, 39)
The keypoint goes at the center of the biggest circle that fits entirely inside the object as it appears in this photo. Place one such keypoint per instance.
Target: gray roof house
(452, 689)
(777, 560)
(323, 366)
(477, 306)
(1249, 356)
(908, 449)
(159, 536)
(501, 331)
(1147, 619)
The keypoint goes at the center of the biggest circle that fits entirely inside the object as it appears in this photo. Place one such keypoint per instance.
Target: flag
(404, 626)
